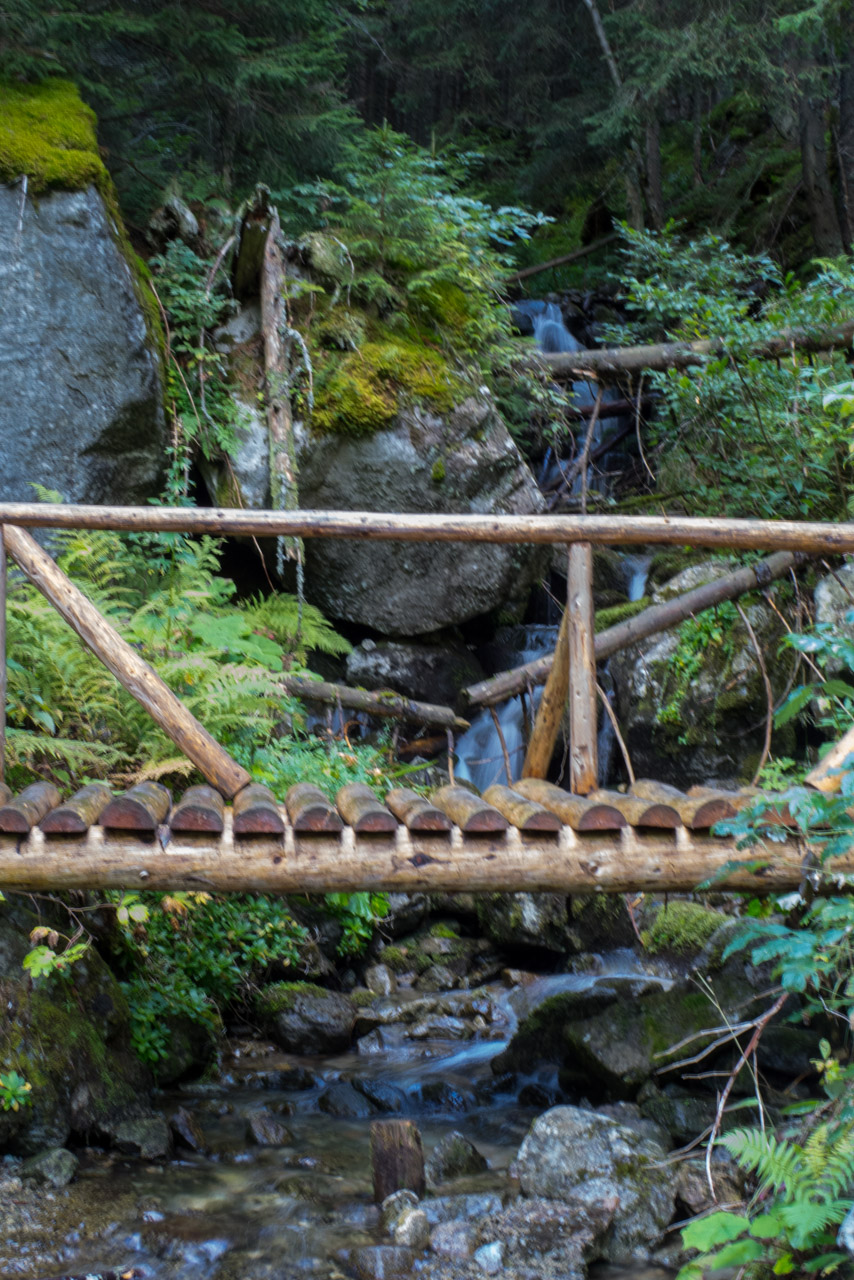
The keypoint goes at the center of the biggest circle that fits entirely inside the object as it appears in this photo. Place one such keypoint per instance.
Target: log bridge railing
(528, 836)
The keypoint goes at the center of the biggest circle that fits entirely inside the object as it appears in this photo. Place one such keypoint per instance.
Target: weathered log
(699, 813)
(397, 1159)
(143, 808)
(597, 861)
(140, 680)
(82, 811)
(362, 811)
(564, 258)
(256, 812)
(747, 535)
(540, 748)
(309, 810)
(583, 766)
(578, 812)
(615, 361)
(659, 617)
(415, 812)
(523, 813)
(639, 812)
(5, 793)
(381, 702)
(829, 772)
(471, 814)
(200, 809)
(23, 812)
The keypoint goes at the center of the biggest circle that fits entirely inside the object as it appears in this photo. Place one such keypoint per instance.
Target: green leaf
(736, 1254)
(784, 1266)
(717, 1228)
(767, 1226)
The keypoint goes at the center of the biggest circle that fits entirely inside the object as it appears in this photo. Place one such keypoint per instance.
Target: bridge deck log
(609, 862)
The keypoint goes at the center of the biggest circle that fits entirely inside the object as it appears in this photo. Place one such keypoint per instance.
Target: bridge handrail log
(734, 534)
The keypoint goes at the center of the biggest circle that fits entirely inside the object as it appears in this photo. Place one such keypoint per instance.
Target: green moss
(682, 928)
(437, 471)
(280, 996)
(619, 613)
(362, 998)
(48, 134)
(359, 392)
(444, 931)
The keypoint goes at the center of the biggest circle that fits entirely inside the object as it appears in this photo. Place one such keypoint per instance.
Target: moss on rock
(619, 613)
(48, 135)
(682, 928)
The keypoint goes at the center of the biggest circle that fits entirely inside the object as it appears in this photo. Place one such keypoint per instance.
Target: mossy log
(380, 702)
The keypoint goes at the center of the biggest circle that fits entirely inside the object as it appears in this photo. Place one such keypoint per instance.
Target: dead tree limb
(383, 702)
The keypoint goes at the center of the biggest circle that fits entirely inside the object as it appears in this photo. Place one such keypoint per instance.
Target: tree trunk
(845, 136)
(654, 195)
(816, 176)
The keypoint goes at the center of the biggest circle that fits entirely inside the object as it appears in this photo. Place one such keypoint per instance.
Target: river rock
(55, 1167)
(526, 919)
(342, 1100)
(547, 1237)
(147, 1137)
(380, 979)
(406, 911)
(383, 1096)
(82, 407)
(490, 1257)
(833, 602)
(306, 1019)
(571, 1154)
(412, 1229)
(187, 1131)
(463, 462)
(455, 1241)
(267, 1130)
(454, 1156)
(379, 1261)
(437, 978)
(429, 673)
(394, 1205)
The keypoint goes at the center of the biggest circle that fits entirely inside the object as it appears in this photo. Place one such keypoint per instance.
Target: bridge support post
(3, 678)
(573, 675)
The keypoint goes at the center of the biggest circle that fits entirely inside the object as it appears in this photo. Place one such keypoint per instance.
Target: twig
(649, 469)
(839, 580)
(450, 757)
(769, 694)
(760, 1025)
(214, 271)
(504, 751)
(588, 440)
(615, 726)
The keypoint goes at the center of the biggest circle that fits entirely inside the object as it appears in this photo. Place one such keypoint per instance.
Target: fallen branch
(383, 702)
(615, 361)
(660, 617)
(564, 258)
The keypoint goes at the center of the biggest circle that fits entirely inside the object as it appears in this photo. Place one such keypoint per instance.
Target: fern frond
(776, 1162)
(279, 614)
(806, 1220)
(26, 747)
(152, 772)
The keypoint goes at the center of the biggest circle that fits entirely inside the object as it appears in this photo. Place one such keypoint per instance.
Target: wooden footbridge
(234, 835)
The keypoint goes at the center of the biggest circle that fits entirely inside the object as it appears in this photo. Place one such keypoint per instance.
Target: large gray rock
(430, 673)
(81, 409)
(589, 1159)
(707, 725)
(306, 1019)
(465, 462)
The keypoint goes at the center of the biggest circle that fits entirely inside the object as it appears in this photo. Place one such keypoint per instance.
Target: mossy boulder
(415, 588)
(303, 1018)
(539, 920)
(82, 405)
(69, 1039)
(681, 928)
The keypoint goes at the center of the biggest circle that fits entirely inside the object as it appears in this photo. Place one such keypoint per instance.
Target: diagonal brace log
(133, 673)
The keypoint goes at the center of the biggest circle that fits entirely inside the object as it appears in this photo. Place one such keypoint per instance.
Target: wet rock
(148, 1137)
(380, 979)
(412, 1229)
(437, 978)
(453, 1157)
(382, 1039)
(538, 1095)
(378, 1262)
(420, 588)
(490, 1257)
(267, 1130)
(455, 1241)
(173, 220)
(429, 673)
(406, 911)
(393, 1206)
(306, 1019)
(570, 1154)
(441, 1027)
(439, 1095)
(474, 1204)
(55, 1167)
(679, 1112)
(384, 1097)
(190, 1047)
(187, 1131)
(692, 1183)
(343, 1100)
(526, 919)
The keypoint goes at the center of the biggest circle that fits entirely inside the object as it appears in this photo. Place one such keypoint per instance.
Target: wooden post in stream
(3, 677)
(141, 681)
(573, 673)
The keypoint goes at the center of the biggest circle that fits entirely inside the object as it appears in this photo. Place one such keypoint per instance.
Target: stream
(301, 1206)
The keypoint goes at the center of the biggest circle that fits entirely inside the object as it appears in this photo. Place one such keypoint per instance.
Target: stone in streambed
(148, 1137)
(306, 1019)
(267, 1130)
(55, 1167)
(453, 1157)
(342, 1100)
(378, 1262)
